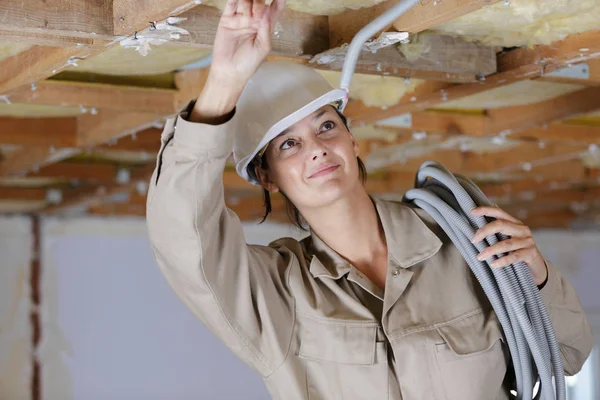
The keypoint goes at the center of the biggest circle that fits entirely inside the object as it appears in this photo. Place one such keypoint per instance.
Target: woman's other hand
(520, 246)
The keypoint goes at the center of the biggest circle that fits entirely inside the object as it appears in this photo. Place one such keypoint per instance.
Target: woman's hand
(520, 245)
(241, 44)
(243, 38)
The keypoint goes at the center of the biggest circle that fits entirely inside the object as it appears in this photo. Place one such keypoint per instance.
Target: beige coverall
(312, 325)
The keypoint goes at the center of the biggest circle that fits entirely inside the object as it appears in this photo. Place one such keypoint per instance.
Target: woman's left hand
(520, 244)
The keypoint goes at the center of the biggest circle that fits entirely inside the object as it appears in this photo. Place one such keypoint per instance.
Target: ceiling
(506, 93)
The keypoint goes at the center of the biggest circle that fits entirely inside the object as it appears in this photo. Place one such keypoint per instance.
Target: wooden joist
(513, 66)
(35, 63)
(97, 95)
(134, 15)
(40, 132)
(533, 115)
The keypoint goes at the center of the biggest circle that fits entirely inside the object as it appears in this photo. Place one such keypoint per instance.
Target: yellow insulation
(526, 22)
(375, 90)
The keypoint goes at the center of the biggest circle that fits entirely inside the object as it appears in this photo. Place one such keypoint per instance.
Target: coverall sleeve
(240, 292)
(572, 328)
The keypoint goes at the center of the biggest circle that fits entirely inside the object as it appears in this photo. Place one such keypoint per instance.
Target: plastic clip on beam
(513, 295)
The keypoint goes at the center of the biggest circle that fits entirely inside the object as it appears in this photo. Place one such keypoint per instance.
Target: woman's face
(314, 161)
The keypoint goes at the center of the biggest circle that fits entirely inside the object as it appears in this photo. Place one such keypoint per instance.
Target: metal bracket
(401, 121)
(578, 71)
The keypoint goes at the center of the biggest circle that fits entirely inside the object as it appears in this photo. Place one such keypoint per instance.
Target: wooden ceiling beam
(133, 15)
(519, 118)
(58, 132)
(301, 36)
(513, 66)
(147, 140)
(90, 173)
(34, 64)
(444, 58)
(92, 130)
(96, 129)
(97, 95)
(562, 132)
(88, 197)
(12, 193)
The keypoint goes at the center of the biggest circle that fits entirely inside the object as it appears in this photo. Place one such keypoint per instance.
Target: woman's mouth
(324, 170)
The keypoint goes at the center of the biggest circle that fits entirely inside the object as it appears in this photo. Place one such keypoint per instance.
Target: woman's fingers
(258, 9)
(505, 246)
(494, 212)
(230, 8)
(276, 7)
(263, 35)
(244, 8)
(526, 255)
(501, 226)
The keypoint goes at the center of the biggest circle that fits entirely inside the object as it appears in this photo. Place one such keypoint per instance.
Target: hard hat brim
(334, 96)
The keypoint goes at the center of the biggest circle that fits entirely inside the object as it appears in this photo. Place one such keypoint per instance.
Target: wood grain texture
(134, 15)
(98, 95)
(58, 132)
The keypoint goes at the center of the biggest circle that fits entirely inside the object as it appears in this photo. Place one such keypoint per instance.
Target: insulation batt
(375, 90)
(526, 22)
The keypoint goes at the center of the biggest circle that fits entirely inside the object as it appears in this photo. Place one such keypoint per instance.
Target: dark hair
(293, 213)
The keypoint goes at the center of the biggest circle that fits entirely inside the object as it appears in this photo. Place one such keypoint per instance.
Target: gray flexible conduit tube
(511, 291)
(365, 34)
(513, 295)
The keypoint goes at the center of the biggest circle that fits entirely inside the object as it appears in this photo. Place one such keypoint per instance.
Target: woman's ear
(265, 180)
(355, 145)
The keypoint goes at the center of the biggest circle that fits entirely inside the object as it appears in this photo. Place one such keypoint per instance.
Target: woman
(376, 303)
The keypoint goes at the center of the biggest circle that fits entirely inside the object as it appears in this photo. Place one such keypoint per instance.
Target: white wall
(113, 328)
(116, 330)
(15, 306)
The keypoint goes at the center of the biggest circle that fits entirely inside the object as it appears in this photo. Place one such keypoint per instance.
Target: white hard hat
(277, 96)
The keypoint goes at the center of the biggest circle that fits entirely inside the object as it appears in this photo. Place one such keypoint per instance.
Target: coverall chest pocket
(344, 360)
(471, 357)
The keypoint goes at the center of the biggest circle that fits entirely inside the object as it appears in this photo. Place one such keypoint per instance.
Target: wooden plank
(299, 33)
(21, 161)
(558, 108)
(97, 95)
(57, 16)
(92, 130)
(8, 193)
(445, 58)
(91, 173)
(451, 123)
(515, 158)
(58, 132)
(33, 64)
(147, 140)
(134, 15)
(423, 16)
(446, 123)
(107, 125)
(553, 219)
(88, 197)
(513, 66)
(562, 132)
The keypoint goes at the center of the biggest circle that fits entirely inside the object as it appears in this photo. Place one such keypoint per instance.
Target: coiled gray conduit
(512, 293)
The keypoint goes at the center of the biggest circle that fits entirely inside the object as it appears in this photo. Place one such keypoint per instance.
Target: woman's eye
(287, 144)
(327, 126)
